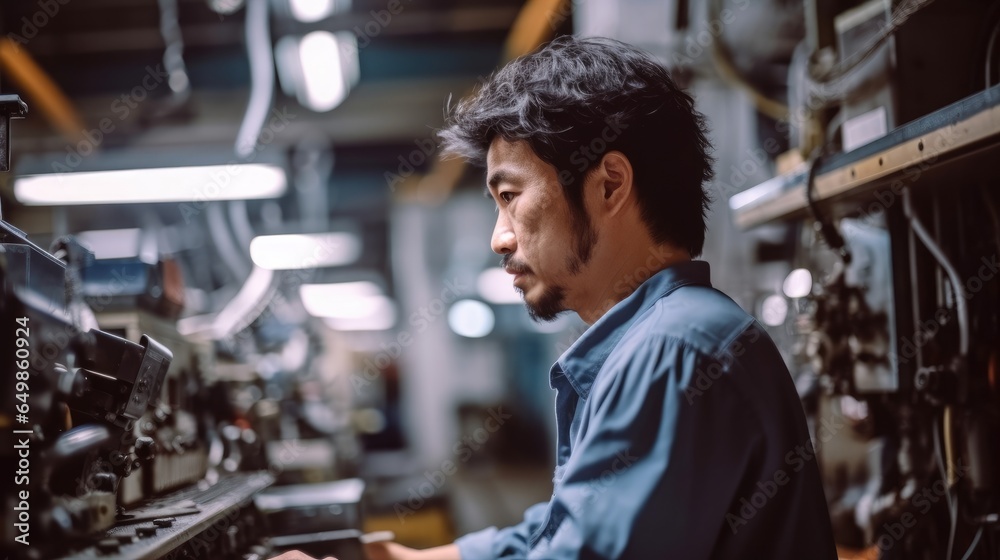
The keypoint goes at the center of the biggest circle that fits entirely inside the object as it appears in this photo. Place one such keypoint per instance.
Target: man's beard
(548, 307)
(551, 303)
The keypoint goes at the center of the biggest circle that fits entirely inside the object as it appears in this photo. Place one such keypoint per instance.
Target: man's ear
(615, 174)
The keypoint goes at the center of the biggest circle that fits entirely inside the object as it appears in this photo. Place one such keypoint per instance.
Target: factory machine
(116, 443)
(890, 319)
(94, 444)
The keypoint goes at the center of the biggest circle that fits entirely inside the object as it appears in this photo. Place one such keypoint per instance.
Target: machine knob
(145, 531)
(104, 482)
(145, 448)
(108, 545)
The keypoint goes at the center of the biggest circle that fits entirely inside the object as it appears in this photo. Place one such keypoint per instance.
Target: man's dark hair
(578, 98)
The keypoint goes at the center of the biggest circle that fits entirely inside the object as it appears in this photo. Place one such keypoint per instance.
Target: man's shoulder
(700, 318)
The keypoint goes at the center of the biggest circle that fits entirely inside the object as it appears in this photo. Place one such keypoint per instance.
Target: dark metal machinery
(71, 398)
(109, 445)
(906, 320)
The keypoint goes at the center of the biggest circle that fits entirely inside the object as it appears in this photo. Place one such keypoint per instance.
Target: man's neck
(631, 269)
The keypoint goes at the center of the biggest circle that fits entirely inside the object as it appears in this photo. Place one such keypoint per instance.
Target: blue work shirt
(680, 436)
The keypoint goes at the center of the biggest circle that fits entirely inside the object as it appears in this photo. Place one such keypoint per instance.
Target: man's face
(543, 242)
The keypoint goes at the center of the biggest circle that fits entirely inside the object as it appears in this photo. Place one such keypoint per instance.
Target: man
(680, 434)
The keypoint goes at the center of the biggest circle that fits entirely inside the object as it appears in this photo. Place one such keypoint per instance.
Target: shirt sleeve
(511, 542)
(658, 466)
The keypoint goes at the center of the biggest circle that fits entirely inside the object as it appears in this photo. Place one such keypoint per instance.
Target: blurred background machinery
(247, 193)
(890, 316)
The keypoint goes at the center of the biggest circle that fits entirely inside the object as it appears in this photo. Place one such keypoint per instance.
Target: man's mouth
(514, 268)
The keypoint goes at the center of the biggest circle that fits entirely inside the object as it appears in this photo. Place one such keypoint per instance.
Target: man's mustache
(508, 263)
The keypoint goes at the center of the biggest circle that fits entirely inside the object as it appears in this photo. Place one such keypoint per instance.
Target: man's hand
(388, 551)
(296, 555)
(393, 551)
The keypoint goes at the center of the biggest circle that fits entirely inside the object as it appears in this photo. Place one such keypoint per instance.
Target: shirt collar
(581, 362)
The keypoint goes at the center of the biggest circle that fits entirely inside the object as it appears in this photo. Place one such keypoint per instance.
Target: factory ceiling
(99, 77)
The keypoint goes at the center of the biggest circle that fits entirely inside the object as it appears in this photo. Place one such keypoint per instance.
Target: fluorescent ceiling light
(225, 7)
(798, 283)
(349, 305)
(328, 68)
(349, 308)
(381, 321)
(471, 318)
(339, 290)
(353, 308)
(773, 310)
(318, 69)
(496, 286)
(325, 86)
(164, 184)
(308, 11)
(111, 243)
(298, 251)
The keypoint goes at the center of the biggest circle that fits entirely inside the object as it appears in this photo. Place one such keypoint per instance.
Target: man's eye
(506, 196)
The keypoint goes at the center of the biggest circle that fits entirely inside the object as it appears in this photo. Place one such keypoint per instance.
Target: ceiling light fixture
(163, 184)
(311, 11)
(318, 69)
(349, 305)
(798, 283)
(301, 251)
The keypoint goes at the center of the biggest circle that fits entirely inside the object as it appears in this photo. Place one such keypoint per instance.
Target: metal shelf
(939, 142)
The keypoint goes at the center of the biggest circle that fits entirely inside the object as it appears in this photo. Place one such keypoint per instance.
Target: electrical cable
(173, 54)
(972, 545)
(531, 28)
(723, 61)
(229, 250)
(727, 70)
(950, 481)
(991, 208)
(258, 37)
(953, 516)
(963, 311)
(952, 503)
(896, 20)
(39, 87)
(827, 229)
(949, 448)
(963, 319)
(989, 55)
(534, 24)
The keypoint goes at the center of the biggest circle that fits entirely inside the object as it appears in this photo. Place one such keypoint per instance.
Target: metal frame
(968, 127)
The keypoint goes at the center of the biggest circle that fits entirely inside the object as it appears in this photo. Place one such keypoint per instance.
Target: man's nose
(503, 240)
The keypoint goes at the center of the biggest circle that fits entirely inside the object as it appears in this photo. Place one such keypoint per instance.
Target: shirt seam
(723, 347)
(603, 357)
